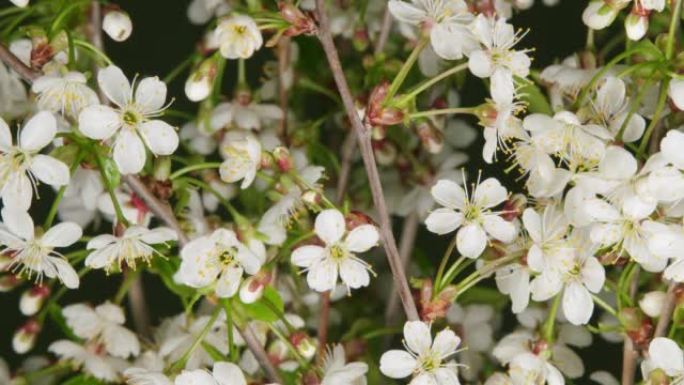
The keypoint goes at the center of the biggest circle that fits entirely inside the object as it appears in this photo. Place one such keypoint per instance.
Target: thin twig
(666, 311)
(95, 36)
(139, 309)
(348, 147)
(161, 209)
(259, 353)
(629, 354)
(384, 31)
(17, 65)
(364, 139)
(323, 319)
(408, 239)
(283, 67)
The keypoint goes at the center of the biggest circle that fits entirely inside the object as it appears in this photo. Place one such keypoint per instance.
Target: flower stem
(232, 348)
(442, 265)
(60, 194)
(442, 111)
(405, 69)
(602, 304)
(180, 364)
(551, 320)
(194, 167)
(404, 99)
(674, 25)
(93, 49)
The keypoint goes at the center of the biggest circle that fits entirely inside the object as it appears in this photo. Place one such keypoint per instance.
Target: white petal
(362, 238)
(195, 377)
(444, 221)
(666, 355)
(120, 342)
(99, 122)
(18, 221)
(50, 170)
(5, 136)
(480, 64)
(115, 85)
(406, 12)
(62, 235)
(65, 272)
(471, 240)
(330, 226)
(417, 336)
(38, 132)
(397, 364)
(354, 274)
(448, 194)
(17, 192)
(578, 305)
(129, 152)
(229, 282)
(150, 94)
(160, 137)
(593, 275)
(227, 373)
(671, 147)
(322, 275)
(489, 193)
(446, 342)
(499, 228)
(159, 235)
(305, 256)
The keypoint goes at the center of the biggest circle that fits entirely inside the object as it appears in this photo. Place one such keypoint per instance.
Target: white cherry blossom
(242, 154)
(338, 255)
(238, 37)
(132, 121)
(221, 259)
(67, 94)
(471, 215)
(113, 253)
(428, 361)
(34, 253)
(22, 165)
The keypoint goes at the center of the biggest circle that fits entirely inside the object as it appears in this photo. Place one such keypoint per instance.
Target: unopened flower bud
(430, 136)
(301, 23)
(118, 25)
(9, 282)
(283, 159)
(658, 377)
(311, 197)
(652, 303)
(636, 24)
(385, 152)
(360, 39)
(253, 287)
(162, 168)
(306, 346)
(200, 83)
(377, 114)
(25, 337)
(638, 327)
(33, 299)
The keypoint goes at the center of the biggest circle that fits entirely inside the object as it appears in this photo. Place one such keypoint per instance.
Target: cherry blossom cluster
(321, 218)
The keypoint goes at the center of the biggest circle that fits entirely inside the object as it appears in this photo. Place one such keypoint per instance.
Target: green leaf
(109, 169)
(165, 268)
(267, 309)
(83, 379)
(534, 97)
(55, 313)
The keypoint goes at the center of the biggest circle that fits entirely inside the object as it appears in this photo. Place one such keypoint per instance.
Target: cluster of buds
(638, 328)
(25, 337)
(300, 23)
(378, 114)
(433, 305)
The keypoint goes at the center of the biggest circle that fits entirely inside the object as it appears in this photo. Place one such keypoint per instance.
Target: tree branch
(384, 31)
(364, 140)
(629, 354)
(666, 311)
(408, 238)
(17, 65)
(259, 353)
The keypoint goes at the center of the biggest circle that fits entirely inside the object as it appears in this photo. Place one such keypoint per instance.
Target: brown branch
(629, 354)
(364, 139)
(408, 238)
(348, 147)
(259, 353)
(323, 319)
(384, 31)
(17, 65)
(666, 311)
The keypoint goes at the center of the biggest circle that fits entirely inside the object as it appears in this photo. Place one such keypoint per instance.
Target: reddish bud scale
(40, 55)
(356, 218)
(31, 326)
(379, 115)
(301, 23)
(283, 159)
(540, 346)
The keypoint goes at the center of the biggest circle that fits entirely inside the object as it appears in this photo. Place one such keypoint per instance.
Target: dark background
(163, 37)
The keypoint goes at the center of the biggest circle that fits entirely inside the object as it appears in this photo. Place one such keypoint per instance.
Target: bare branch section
(666, 311)
(364, 140)
(161, 210)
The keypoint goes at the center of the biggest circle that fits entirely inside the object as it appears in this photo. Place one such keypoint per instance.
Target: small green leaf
(267, 309)
(536, 101)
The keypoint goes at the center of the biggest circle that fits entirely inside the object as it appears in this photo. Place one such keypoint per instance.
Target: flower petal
(362, 238)
(578, 305)
(38, 132)
(446, 342)
(489, 193)
(129, 152)
(18, 221)
(50, 170)
(444, 221)
(471, 240)
(62, 235)
(449, 194)
(227, 373)
(160, 137)
(150, 94)
(330, 226)
(99, 122)
(417, 336)
(397, 364)
(305, 256)
(354, 274)
(115, 85)
(322, 275)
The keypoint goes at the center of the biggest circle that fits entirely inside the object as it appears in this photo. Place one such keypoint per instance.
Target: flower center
(472, 212)
(131, 117)
(338, 252)
(430, 362)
